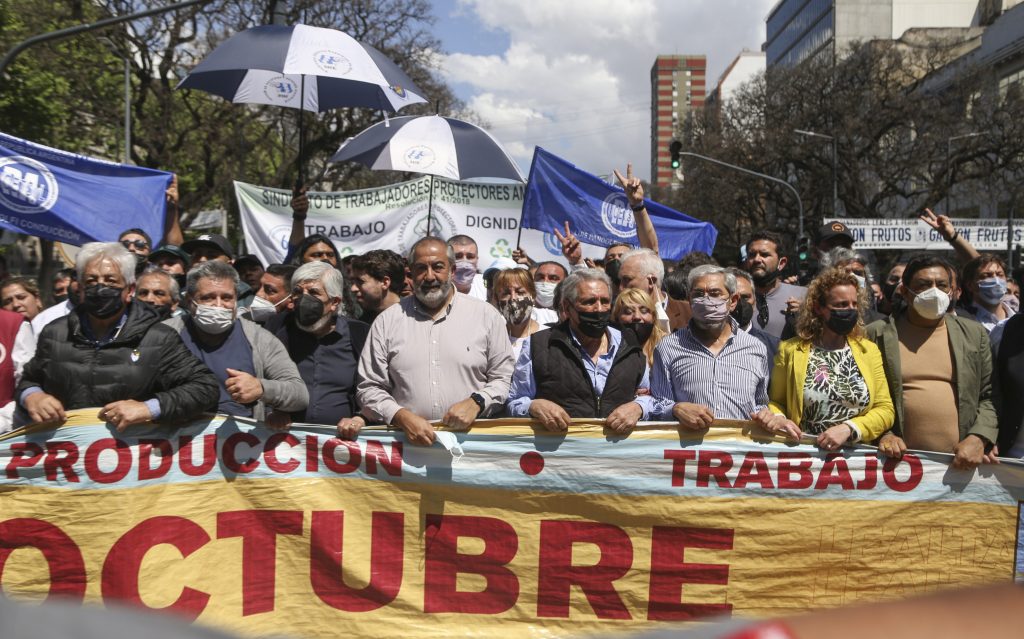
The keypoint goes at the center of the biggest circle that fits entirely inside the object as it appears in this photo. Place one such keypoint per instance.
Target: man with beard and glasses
(437, 355)
(773, 299)
(252, 366)
(710, 369)
(582, 367)
(112, 352)
(325, 347)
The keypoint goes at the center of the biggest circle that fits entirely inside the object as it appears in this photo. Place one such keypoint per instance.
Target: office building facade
(678, 85)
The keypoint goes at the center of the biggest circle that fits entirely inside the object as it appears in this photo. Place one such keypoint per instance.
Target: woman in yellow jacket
(829, 381)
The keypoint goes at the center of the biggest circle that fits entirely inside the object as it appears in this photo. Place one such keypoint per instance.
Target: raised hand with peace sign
(571, 248)
(632, 186)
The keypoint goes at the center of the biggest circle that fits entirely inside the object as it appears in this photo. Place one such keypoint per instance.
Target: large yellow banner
(512, 530)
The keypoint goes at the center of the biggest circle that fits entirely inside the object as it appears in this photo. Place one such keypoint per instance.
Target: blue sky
(572, 76)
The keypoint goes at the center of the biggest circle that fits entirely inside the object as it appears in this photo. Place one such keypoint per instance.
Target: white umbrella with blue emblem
(430, 144)
(305, 67)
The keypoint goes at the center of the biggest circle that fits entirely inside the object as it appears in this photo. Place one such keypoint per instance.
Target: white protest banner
(912, 233)
(394, 217)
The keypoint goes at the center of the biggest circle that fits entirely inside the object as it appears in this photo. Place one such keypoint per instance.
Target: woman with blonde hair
(514, 297)
(829, 381)
(634, 311)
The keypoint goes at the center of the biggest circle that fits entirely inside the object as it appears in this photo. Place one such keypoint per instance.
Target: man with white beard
(436, 355)
(710, 369)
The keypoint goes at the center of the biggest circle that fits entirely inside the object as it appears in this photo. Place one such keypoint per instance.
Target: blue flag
(598, 213)
(74, 199)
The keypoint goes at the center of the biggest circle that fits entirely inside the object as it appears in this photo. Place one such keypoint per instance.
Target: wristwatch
(480, 402)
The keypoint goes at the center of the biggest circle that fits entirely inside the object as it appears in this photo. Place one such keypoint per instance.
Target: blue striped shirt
(733, 383)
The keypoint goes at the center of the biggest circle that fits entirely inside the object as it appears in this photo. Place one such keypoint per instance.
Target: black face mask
(57, 299)
(103, 301)
(611, 269)
(594, 323)
(163, 312)
(309, 310)
(743, 312)
(641, 330)
(842, 322)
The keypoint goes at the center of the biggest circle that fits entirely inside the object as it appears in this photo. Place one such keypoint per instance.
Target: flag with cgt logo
(598, 213)
(71, 198)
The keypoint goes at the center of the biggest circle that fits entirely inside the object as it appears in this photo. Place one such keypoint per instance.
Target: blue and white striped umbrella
(430, 144)
(272, 64)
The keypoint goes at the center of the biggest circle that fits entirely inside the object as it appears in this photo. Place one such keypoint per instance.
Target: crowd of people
(927, 356)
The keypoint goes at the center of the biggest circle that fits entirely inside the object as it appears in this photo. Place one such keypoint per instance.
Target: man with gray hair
(159, 290)
(436, 355)
(643, 269)
(582, 367)
(710, 369)
(111, 351)
(253, 367)
(324, 345)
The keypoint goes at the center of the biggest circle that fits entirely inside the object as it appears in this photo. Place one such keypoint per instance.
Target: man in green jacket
(938, 367)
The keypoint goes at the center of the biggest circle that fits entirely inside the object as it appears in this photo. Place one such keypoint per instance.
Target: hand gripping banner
(502, 531)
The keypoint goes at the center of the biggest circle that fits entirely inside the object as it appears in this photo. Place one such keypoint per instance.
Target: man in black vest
(582, 367)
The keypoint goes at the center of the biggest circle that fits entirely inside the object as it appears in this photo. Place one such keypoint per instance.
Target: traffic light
(674, 148)
(803, 248)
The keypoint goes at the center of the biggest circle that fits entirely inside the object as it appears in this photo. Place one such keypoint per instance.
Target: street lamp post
(835, 171)
(127, 98)
(949, 168)
(799, 202)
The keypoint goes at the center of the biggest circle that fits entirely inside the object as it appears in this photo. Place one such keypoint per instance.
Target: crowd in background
(925, 356)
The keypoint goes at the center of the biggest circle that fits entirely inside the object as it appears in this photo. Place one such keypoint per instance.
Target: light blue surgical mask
(991, 290)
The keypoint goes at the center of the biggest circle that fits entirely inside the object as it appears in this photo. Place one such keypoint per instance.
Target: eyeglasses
(139, 244)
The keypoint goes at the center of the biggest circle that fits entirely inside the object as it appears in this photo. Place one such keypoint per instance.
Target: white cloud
(576, 76)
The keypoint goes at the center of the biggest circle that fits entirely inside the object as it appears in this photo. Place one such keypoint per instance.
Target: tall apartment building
(801, 29)
(677, 86)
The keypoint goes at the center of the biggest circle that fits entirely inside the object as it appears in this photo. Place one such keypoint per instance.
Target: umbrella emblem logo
(280, 89)
(279, 237)
(617, 216)
(26, 185)
(419, 157)
(399, 91)
(332, 62)
(552, 244)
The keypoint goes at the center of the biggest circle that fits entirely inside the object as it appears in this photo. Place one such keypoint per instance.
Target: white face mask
(861, 282)
(261, 310)
(545, 294)
(932, 303)
(464, 273)
(213, 320)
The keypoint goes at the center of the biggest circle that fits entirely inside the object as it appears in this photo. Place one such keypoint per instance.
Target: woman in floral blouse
(829, 382)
